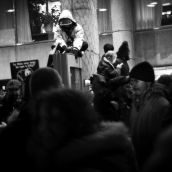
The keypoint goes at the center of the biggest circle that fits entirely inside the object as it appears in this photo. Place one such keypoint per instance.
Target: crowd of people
(125, 127)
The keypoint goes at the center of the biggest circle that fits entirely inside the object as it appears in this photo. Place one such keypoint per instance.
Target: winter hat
(44, 79)
(143, 71)
(13, 84)
(66, 14)
(108, 47)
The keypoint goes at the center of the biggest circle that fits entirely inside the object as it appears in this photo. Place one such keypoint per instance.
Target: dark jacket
(125, 67)
(153, 117)
(107, 69)
(107, 150)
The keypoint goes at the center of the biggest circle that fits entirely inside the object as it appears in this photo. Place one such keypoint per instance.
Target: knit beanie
(44, 79)
(143, 71)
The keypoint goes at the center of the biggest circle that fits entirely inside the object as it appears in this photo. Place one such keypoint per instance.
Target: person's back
(161, 158)
(67, 135)
(14, 137)
(151, 121)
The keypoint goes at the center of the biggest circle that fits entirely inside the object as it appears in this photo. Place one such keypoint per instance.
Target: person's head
(13, 89)
(141, 77)
(66, 20)
(123, 51)
(60, 117)
(166, 80)
(110, 56)
(44, 79)
(108, 47)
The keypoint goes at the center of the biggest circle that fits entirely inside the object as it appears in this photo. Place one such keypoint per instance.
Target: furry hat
(143, 71)
(110, 55)
(44, 79)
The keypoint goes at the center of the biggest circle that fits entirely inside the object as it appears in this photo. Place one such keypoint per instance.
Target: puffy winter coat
(76, 35)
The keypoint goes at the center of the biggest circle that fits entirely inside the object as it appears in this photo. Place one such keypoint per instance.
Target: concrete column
(122, 25)
(85, 13)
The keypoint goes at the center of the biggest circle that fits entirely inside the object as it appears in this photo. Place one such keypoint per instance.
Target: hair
(44, 79)
(59, 117)
(13, 83)
(165, 80)
(123, 51)
(108, 47)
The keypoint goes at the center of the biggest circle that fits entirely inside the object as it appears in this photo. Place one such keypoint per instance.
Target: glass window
(166, 14)
(152, 14)
(104, 17)
(7, 23)
(43, 18)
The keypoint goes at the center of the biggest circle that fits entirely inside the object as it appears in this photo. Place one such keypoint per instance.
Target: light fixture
(151, 5)
(166, 4)
(156, 28)
(168, 12)
(10, 10)
(18, 44)
(154, 3)
(105, 33)
(102, 9)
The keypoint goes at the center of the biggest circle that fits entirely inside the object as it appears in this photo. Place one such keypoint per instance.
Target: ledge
(28, 43)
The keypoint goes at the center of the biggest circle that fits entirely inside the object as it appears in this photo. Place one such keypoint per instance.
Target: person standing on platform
(69, 36)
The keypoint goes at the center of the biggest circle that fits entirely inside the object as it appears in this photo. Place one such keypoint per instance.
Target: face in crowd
(14, 94)
(138, 86)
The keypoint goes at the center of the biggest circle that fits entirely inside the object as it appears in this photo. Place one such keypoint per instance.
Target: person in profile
(123, 57)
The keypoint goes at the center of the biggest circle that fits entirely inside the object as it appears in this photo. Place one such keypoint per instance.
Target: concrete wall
(85, 12)
(21, 53)
(122, 25)
(154, 46)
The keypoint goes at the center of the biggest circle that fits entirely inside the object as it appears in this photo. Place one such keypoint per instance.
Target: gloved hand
(119, 65)
(75, 52)
(53, 46)
(61, 49)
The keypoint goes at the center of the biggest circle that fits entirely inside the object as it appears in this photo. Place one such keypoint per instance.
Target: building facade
(26, 30)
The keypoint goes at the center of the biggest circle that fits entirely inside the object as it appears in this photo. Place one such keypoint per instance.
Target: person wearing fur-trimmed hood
(106, 66)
